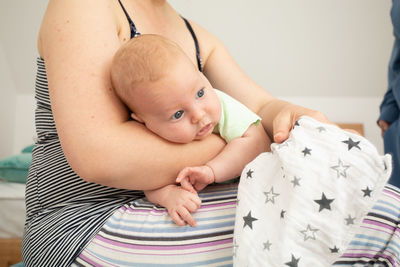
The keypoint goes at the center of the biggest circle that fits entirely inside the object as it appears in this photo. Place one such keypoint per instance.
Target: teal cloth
(19, 264)
(236, 118)
(27, 149)
(15, 168)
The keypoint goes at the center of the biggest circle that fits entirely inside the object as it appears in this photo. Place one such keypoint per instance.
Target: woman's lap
(142, 234)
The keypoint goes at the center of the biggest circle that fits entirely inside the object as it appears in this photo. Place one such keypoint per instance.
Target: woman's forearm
(131, 157)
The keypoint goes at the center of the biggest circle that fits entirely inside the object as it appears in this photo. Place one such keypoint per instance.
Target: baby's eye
(177, 115)
(200, 93)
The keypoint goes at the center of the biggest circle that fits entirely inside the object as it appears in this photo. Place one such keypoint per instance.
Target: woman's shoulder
(74, 16)
(207, 41)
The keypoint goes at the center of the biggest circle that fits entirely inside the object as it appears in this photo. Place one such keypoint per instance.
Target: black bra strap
(131, 24)
(134, 33)
(196, 43)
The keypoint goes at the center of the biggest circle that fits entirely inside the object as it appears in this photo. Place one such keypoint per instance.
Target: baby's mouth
(204, 130)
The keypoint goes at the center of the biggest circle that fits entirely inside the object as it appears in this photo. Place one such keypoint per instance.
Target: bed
(13, 173)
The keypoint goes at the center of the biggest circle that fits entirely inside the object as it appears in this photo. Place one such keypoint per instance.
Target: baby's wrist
(212, 173)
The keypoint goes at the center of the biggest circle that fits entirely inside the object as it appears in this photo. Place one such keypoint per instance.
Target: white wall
(327, 55)
(24, 131)
(303, 47)
(7, 107)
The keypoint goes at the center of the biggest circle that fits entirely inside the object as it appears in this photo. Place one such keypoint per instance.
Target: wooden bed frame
(10, 249)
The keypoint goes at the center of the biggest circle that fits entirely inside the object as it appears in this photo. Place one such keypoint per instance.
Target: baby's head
(164, 90)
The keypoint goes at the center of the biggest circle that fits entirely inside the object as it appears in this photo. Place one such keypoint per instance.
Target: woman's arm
(77, 40)
(225, 74)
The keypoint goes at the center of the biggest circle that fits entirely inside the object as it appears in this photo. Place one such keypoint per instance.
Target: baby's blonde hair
(142, 59)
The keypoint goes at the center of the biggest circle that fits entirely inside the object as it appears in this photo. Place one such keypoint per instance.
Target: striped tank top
(63, 211)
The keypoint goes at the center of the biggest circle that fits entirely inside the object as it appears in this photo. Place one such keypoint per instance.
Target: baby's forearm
(154, 196)
(233, 158)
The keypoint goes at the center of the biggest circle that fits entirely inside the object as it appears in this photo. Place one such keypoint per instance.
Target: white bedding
(12, 209)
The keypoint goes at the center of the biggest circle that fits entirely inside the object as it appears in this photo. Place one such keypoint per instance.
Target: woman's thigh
(142, 234)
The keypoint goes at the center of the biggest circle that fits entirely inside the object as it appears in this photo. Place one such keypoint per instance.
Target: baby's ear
(136, 117)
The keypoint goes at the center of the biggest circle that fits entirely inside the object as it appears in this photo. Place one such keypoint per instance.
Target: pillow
(27, 149)
(300, 204)
(15, 168)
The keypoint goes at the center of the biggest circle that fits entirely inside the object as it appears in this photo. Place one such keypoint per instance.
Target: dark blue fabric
(390, 106)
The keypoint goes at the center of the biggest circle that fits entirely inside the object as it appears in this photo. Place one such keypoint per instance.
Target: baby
(167, 93)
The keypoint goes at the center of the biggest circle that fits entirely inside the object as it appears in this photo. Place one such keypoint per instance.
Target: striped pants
(142, 234)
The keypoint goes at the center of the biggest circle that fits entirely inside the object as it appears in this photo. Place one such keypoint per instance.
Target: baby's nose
(198, 115)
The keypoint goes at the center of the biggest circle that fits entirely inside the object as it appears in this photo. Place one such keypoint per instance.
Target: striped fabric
(142, 234)
(377, 241)
(63, 211)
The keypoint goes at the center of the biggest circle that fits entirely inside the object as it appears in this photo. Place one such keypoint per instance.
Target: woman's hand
(384, 125)
(285, 119)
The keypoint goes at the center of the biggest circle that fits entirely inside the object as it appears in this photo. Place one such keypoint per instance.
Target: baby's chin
(198, 138)
(180, 140)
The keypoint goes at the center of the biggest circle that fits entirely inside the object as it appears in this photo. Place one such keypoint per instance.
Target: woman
(89, 156)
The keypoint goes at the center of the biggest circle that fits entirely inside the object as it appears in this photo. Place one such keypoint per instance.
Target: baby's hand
(196, 177)
(180, 203)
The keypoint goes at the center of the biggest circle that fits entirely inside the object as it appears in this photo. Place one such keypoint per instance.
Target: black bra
(134, 33)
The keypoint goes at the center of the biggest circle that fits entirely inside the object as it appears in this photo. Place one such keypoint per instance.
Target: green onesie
(236, 118)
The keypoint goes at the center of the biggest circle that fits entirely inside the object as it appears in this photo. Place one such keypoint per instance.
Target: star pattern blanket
(302, 203)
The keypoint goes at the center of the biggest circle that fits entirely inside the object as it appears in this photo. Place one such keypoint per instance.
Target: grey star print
(249, 173)
(295, 181)
(267, 245)
(324, 203)
(367, 192)
(309, 233)
(340, 169)
(283, 214)
(334, 250)
(270, 196)
(350, 143)
(248, 220)
(349, 220)
(294, 262)
(306, 151)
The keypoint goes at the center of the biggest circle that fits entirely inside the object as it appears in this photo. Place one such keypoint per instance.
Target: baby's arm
(178, 201)
(230, 162)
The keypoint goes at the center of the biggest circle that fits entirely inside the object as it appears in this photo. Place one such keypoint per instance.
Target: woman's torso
(63, 210)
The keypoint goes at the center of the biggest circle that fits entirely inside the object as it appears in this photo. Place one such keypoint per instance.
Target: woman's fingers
(282, 124)
(286, 119)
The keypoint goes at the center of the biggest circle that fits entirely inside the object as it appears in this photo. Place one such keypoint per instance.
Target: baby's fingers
(182, 175)
(188, 186)
(194, 204)
(185, 215)
(177, 218)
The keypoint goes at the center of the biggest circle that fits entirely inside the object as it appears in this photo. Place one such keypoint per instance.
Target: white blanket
(300, 204)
